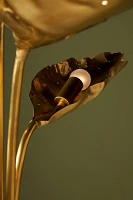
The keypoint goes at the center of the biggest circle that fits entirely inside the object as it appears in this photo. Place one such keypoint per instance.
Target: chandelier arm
(21, 153)
(17, 76)
(1, 111)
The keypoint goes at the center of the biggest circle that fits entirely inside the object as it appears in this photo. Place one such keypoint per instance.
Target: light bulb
(79, 80)
(83, 75)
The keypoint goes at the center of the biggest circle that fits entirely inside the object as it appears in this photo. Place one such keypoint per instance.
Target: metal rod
(1, 112)
(20, 59)
(21, 154)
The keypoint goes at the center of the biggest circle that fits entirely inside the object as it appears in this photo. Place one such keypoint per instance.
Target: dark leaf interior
(49, 81)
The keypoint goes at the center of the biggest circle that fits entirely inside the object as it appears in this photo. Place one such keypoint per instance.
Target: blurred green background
(87, 154)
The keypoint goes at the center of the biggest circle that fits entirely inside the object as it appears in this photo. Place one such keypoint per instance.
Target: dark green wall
(87, 154)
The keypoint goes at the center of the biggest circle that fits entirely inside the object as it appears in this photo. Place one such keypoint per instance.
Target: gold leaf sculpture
(36, 23)
(50, 80)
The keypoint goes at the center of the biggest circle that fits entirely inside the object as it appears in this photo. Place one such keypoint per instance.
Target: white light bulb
(83, 75)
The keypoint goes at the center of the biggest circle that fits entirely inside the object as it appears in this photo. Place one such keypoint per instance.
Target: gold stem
(20, 59)
(1, 113)
(21, 154)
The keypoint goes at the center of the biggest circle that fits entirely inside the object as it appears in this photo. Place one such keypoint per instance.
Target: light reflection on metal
(105, 3)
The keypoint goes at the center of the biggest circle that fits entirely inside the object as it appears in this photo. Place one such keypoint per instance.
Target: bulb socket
(70, 90)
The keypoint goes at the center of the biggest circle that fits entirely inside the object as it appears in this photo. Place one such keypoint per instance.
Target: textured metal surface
(50, 80)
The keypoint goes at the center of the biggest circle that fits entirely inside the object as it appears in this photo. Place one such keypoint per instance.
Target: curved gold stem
(21, 154)
(1, 112)
(20, 59)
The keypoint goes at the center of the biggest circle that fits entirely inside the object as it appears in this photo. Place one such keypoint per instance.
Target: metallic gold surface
(20, 59)
(22, 152)
(37, 23)
(1, 112)
(33, 24)
(60, 101)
